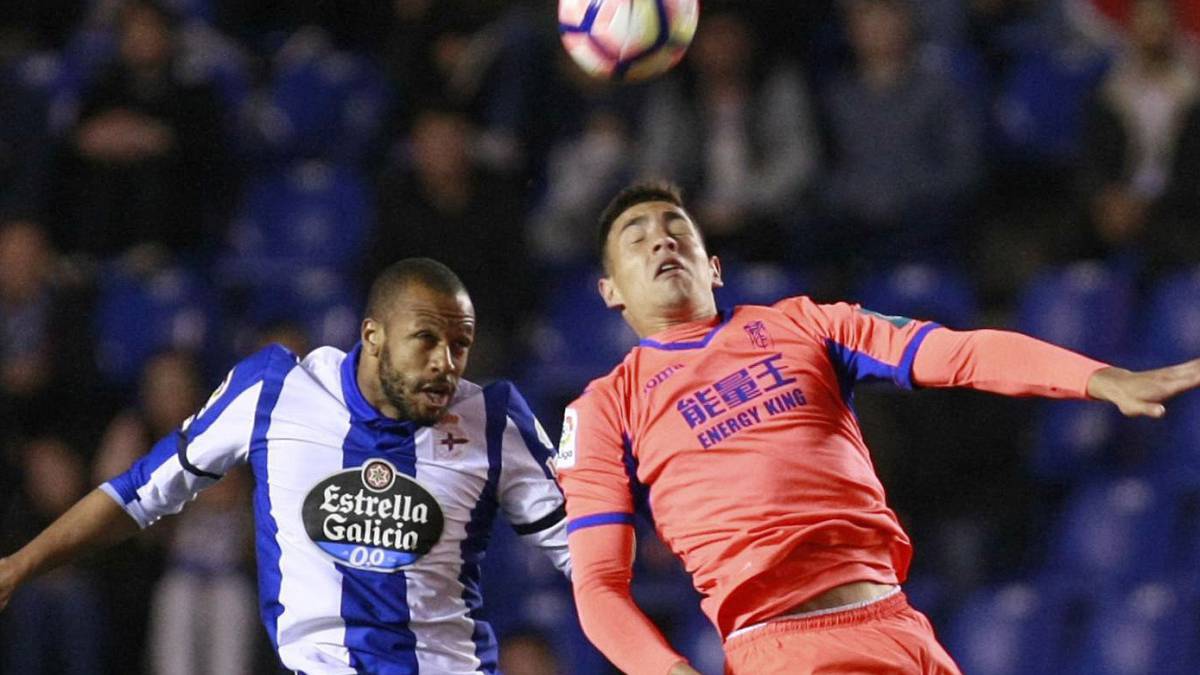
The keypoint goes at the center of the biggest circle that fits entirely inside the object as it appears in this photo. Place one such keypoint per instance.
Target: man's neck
(652, 325)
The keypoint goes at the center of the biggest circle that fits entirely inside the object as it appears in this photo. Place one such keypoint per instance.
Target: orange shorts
(885, 636)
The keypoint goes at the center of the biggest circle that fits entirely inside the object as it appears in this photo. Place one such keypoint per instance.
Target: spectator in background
(590, 156)
(145, 162)
(55, 625)
(1174, 239)
(903, 146)
(736, 132)
(1133, 129)
(443, 202)
(45, 363)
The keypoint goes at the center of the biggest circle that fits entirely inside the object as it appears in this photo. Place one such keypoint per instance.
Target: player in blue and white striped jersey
(377, 477)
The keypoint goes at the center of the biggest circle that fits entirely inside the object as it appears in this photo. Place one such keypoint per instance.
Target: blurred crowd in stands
(182, 181)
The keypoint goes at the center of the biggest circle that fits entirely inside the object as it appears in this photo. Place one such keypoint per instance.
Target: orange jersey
(743, 430)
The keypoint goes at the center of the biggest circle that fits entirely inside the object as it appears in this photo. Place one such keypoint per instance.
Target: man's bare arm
(93, 523)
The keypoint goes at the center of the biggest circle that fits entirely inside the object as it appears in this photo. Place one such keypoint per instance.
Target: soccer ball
(627, 40)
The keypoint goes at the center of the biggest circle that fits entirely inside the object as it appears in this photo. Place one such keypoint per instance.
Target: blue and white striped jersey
(369, 531)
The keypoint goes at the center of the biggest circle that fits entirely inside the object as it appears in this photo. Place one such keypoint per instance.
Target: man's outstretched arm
(93, 523)
(1013, 364)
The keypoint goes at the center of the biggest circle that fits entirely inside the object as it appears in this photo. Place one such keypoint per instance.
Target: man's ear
(372, 336)
(714, 264)
(609, 293)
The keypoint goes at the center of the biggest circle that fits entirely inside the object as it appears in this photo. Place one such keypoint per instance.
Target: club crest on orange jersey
(759, 337)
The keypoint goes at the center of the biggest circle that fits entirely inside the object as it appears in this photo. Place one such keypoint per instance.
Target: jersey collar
(361, 409)
(674, 338)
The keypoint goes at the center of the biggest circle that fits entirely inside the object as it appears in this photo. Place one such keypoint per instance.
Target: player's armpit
(602, 562)
(1002, 362)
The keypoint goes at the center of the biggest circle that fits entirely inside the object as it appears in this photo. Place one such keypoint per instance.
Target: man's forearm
(1002, 362)
(601, 558)
(94, 522)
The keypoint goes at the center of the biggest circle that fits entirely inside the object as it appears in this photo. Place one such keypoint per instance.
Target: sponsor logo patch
(372, 517)
(565, 458)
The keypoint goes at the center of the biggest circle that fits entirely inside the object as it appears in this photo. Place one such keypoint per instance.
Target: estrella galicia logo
(372, 517)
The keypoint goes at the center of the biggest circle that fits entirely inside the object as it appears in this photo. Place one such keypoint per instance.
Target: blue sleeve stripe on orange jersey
(597, 519)
(904, 370)
(858, 366)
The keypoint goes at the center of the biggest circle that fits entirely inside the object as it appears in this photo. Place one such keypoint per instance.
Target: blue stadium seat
(1149, 629)
(1170, 333)
(316, 299)
(922, 291)
(1039, 109)
(1084, 306)
(757, 284)
(1015, 628)
(576, 340)
(1087, 307)
(1114, 531)
(140, 313)
(321, 103)
(310, 214)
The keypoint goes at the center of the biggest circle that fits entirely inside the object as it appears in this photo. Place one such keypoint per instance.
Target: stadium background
(176, 189)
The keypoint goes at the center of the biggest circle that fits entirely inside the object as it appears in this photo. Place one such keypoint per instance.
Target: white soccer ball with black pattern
(626, 40)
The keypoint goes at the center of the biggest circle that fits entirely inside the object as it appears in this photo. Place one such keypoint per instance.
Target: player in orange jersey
(739, 422)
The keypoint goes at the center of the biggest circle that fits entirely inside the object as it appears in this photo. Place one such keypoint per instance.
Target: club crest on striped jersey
(372, 517)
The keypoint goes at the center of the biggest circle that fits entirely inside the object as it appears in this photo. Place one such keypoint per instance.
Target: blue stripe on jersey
(523, 417)
(128, 483)
(276, 365)
(858, 366)
(497, 402)
(375, 604)
(243, 376)
(904, 376)
(596, 519)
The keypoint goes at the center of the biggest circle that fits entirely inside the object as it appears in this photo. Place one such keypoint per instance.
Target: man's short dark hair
(638, 193)
(399, 275)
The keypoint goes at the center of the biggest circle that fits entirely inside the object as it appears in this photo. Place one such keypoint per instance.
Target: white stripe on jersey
(311, 632)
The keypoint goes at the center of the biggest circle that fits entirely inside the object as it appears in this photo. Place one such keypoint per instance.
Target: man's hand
(682, 668)
(1143, 393)
(8, 581)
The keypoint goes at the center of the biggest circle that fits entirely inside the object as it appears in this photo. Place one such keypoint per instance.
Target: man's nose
(665, 240)
(442, 360)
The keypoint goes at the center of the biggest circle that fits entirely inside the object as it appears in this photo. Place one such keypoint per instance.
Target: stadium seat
(142, 312)
(1039, 109)
(316, 299)
(757, 284)
(1114, 531)
(321, 103)
(1149, 629)
(921, 291)
(1170, 333)
(310, 214)
(1015, 629)
(576, 340)
(1068, 306)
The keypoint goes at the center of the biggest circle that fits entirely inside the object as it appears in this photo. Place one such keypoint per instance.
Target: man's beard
(401, 392)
